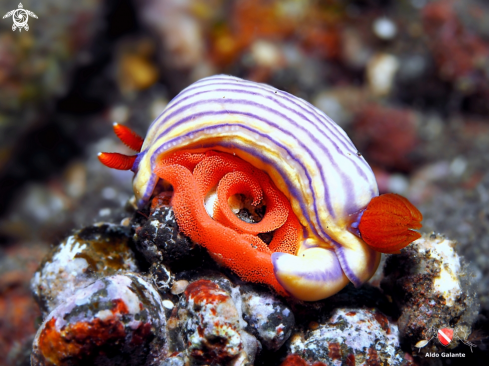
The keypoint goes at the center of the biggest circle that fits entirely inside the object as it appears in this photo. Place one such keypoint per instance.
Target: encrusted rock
(296, 360)
(116, 320)
(162, 276)
(433, 289)
(350, 337)
(214, 327)
(99, 250)
(268, 318)
(175, 360)
(160, 239)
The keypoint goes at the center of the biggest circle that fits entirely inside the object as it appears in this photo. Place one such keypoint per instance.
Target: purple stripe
(150, 186)
(139, 157)
(325, 275)
(297, 194)
(346, 181)
(292, 99)
(321, 118)
(198, 115)
(237, 91)
(340, 254)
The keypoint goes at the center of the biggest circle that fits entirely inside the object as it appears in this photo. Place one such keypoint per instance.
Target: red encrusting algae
(204, 292)
(75, 341)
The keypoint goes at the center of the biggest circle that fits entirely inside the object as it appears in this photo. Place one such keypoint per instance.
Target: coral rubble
(116, 320)
(433, 289)
(99, 250)
(350, 337)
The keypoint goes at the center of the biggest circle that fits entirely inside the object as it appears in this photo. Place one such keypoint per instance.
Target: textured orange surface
(236, 245)
(184, 158)
(233, 176)
(387, 222)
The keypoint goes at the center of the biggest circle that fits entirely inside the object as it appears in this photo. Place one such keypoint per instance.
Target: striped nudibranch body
(307, 155)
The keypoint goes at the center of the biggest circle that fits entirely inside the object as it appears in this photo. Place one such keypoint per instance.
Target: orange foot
(231, 241)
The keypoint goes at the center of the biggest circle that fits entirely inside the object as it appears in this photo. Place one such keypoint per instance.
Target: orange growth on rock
(296, 360)
(230, 241)
(79, 340)
(388, 222)
(204, 292)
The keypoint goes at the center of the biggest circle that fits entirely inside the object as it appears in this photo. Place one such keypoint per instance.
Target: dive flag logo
(445, 336)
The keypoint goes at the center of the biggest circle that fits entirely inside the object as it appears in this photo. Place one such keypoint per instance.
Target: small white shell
(422, 343)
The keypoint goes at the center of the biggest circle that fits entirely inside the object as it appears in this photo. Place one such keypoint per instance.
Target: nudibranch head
(235, 136)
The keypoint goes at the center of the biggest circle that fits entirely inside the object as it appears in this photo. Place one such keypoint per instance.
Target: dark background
(408, 80)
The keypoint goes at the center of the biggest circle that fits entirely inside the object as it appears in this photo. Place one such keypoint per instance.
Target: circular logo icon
(20, 17)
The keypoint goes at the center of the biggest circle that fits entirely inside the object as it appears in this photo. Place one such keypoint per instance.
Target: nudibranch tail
(388, 221)
(314, 275)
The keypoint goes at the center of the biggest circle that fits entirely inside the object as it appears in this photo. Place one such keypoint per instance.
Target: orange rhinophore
(120, 161)
(388, 221)
(116, 160)
(130, 138)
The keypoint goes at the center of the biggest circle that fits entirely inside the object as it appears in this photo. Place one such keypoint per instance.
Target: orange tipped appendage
(116, 160)
(229, 240)
(130, 138)
(121, 161)
(388, 221)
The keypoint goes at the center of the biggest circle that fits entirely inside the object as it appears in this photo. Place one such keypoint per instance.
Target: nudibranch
(227, 135)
